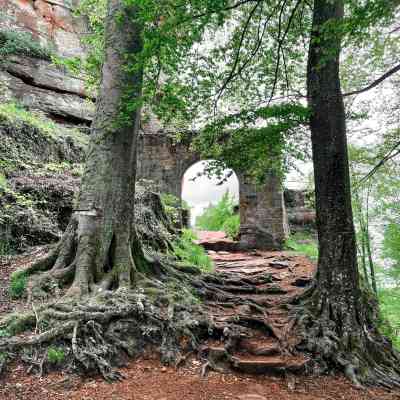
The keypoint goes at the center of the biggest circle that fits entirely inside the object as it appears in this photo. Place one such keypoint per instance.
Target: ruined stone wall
(262, 210)
(162, 161)
(36, 83)
(263, 216)
(301, 213)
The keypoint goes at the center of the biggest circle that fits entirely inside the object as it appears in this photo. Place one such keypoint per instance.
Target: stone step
(252, 263)
(258, 364)
(220, 245)
(302, 281)
(268, 364)
(260, 347)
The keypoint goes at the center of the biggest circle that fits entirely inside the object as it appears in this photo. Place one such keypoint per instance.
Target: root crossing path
(248, 306)
(251, 308)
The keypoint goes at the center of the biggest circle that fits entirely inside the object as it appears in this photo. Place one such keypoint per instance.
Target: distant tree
(215, 216)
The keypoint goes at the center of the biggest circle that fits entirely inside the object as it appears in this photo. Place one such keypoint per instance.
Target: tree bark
(106, 200)
(337, 266)
(342, 325)
(99, 241)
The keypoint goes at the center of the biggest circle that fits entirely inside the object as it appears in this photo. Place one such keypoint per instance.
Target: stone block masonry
(262, 210)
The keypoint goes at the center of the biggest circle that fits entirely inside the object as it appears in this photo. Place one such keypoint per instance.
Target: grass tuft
(18, 284)
(22, 43)
(191, 253)
(55, 355)
(303, 243)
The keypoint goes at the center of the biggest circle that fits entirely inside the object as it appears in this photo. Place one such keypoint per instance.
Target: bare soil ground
(257, 286)
(149, 380)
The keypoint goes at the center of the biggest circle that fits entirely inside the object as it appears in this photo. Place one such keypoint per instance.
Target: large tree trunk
(341, 327)
(106, 201)
(97, 247)
(337, 266)
(106, 312)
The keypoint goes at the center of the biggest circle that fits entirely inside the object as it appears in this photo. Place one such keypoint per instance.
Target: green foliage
(217, 217)
(5, 246)
(18, 284)
(169, 200)
(255, 141)
(55, 355)
(16, 114)
(236, 88)
(391, 249)
(303, 243)
(3, 181)
(173, 207)
(232, 226)
(389, 301)
(16, 323)
(191, 253)
(4, 333)
(21, 43)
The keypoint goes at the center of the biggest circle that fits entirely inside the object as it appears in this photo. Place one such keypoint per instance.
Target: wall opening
(202, 193)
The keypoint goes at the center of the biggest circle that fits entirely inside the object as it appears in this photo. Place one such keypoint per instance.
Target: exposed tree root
(340, 337)
(96, 334)
(100, 303)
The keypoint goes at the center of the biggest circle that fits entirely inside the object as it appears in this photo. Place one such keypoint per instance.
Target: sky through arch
(200, 191)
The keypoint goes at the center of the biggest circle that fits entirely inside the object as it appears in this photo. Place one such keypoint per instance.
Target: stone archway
(199, 191)
(262, 209)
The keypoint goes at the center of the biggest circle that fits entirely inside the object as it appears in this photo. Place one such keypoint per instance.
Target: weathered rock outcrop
(61, 106)
(39, 168)
(301, 215)
(51, 22)
(40, 85)
(37, 83)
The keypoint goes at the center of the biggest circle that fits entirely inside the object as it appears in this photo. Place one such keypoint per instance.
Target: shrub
(191, 253)
(391, 249)
(17, 284)
(220, 217)
(303, 243)
(21, 43)
(389, 303)
(232, 226)
(55, 355)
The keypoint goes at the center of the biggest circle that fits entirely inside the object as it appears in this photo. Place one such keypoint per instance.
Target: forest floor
(261, 351)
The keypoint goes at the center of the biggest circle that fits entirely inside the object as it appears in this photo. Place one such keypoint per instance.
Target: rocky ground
(257, 287)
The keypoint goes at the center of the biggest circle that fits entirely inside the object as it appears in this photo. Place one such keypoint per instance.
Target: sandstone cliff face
(51, 22)
(39, 84)
(39, 159)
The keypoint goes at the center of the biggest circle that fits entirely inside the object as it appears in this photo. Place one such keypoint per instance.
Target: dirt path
(249, 306)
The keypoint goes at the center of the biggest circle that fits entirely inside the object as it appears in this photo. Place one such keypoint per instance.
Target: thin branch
(280, 42)
(375, 83)
(232, 7)
(392, 153)
(278, 53)
(256, 47)
(237, 57)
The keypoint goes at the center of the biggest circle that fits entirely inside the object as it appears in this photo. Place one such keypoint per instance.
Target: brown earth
(261, 365)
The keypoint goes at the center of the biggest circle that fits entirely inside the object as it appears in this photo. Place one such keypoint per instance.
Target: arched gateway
(263, 220)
